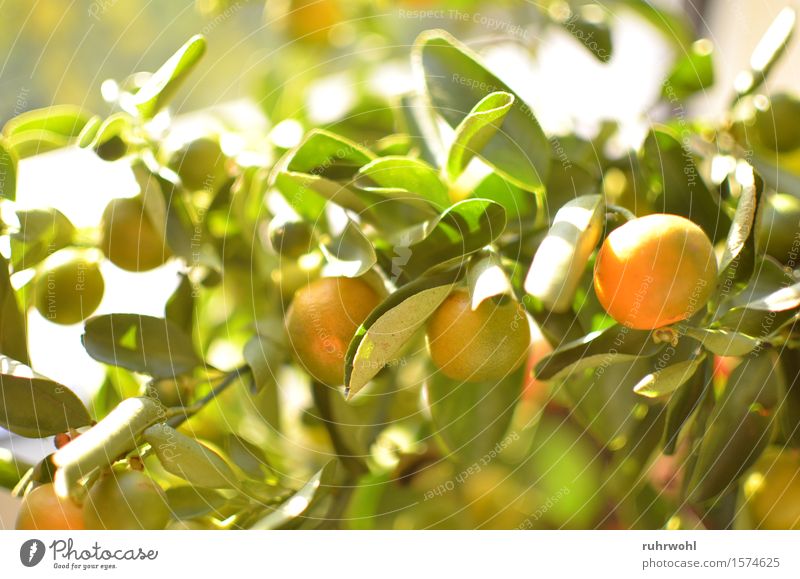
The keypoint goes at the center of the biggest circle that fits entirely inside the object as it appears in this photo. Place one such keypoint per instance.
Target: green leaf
(41, 233)
(35, 142)
(34, 406)
(189, 502)
(591, 27)
(327, 154)
(164, 83)
(667, 380)
(10, 470)
(153, 346)
(471, 420)
(300, 502)
(615, 344)
(116, 125)
(675, 27)
(683, 403)
(455, 80)
(350, 254)
(673, 175)
(692, 73)
(459, 231)
(562, 257)
(413, 176)
(66, 121)
(738, 260)
(476, 130)
(514, 200)
(724, 343)
(13, 332)
(739, 426)
(486, 278)
(189, 459)
(180, 305)
(8, 171)
(391, 325)
(265, 354)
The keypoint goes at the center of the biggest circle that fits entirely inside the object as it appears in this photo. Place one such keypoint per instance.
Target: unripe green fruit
(778, 127)
(772, 490)
(200, 164)
(291, 238)
(126, 500)
(70, 287)
(129, 239)
(479, 345)
(779, 227)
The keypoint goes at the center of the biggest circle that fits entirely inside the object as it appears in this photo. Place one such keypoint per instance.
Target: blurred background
(280, 68)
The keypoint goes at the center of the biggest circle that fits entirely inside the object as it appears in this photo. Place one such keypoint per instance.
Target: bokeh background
(280, 68)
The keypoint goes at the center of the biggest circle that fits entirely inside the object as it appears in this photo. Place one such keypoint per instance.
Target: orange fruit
(655, 271)
(478, 345)
(42, 510)
(70, 286)
(125, 500)
(321, 321)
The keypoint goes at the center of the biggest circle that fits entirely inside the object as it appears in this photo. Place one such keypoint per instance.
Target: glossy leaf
(41, 233)
(34, 406)
(739, 426)
(692, 73)
(189, 502)
(189, 459)
(65, 121)
(739, 257)
(8, 171)
(615, 344)
(665, 381)
(153, 346)
(724, 343)
(680, 188)
(461, 230)
(455, 80)
(350, 254)
(412, 175)
(300, 502)
(476, 130)
(327, 154)
(164, 83)
(562, 257)
(13, 332)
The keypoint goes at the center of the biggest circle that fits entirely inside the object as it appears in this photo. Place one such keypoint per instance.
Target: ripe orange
(42, 509)
(479, 345)
(321, 321)
(654, 271)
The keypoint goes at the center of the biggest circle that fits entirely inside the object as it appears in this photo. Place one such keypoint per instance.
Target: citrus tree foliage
(455, 187)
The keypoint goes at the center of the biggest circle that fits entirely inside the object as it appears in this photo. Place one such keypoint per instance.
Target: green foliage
(454, 186)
